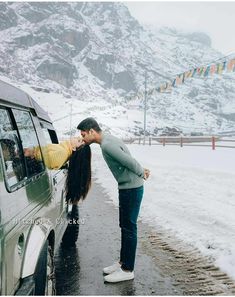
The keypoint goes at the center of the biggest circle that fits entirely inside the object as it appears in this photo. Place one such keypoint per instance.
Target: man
(129, 175)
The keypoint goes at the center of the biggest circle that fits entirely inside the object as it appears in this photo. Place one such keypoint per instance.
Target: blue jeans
(129, 206)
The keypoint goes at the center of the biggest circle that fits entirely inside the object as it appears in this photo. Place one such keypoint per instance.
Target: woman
(55, 155)
(78, 180)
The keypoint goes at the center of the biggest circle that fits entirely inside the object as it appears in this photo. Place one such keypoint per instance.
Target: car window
(34, 163)
(11, 151)
(53, 136)
(49, 132)
(47, 135)
(50, 135)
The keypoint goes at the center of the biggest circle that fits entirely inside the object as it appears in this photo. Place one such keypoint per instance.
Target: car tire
(44, 276)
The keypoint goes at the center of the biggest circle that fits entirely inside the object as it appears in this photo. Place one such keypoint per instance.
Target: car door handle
(54, 181)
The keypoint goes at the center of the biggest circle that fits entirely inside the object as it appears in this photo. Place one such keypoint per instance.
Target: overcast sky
(217, 19)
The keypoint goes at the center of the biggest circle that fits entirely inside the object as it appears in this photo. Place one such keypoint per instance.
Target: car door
(58, 180)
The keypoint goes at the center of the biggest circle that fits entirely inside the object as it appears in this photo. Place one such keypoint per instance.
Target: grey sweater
(126, 170)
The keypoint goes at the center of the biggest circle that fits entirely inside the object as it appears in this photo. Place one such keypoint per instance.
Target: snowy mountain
(98, 53)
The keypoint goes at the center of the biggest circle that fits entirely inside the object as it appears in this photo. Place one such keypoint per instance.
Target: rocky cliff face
(98, 50)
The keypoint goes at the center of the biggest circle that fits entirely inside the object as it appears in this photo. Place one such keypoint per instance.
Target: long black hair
(78, 180)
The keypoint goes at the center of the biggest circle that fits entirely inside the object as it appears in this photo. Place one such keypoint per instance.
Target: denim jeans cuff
(124, 267)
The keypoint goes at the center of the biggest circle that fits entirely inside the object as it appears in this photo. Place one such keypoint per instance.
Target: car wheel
(44, 273)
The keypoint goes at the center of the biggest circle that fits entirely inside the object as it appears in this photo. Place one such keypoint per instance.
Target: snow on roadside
(190, 194)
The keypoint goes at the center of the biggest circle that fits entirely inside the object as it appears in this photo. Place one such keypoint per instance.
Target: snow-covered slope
(97, 53)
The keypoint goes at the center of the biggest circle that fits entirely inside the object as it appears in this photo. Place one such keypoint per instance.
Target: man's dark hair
(87, 124)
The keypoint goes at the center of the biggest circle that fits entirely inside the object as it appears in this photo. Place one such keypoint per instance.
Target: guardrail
(209, 141)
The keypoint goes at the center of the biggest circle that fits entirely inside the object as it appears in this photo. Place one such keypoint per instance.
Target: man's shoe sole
(118, 281)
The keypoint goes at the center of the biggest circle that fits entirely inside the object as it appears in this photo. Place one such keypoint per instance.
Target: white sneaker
(112, 268)
(119, 276)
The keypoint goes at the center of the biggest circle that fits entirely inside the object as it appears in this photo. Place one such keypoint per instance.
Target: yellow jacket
(54, 154)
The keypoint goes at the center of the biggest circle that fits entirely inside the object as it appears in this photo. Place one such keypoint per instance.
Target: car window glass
(11, 151)
(29, 139)
(47, 135)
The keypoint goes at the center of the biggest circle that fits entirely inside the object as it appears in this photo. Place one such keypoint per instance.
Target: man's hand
(146, 173)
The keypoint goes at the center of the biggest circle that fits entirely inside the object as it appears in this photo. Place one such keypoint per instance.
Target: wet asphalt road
(79, 269)
(163, 267)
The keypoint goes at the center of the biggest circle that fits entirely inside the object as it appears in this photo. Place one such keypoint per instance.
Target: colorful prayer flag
(188, 74)
(200, 71)
(230, 65)
(163, 87)
(206, 73)
(219, 69)
(194, 72)
(179, 79)
(213, 69)
(169, 86)
(224, 65)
